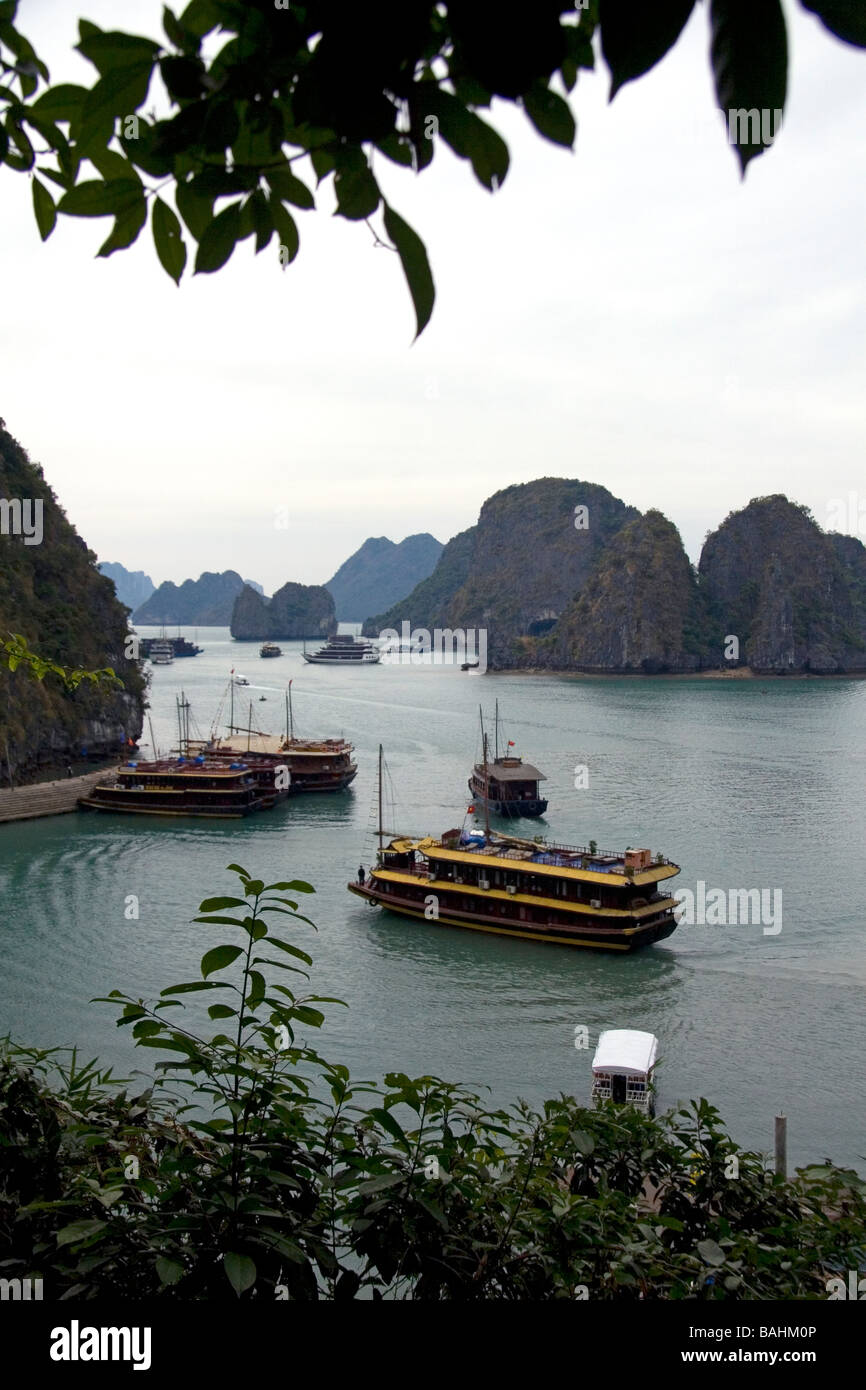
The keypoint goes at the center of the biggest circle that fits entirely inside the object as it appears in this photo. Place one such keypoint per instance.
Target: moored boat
(199, 786)
(270, 649)
(161, 653)
(499, 884)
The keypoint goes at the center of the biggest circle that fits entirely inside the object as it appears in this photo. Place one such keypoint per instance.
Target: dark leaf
(550, 114)
(98, 198)
(357, 191)
(845, 18)
(635, 37)
(126, 228)
(43, 206)
(241, 1272)
(61, 103)
(287, 232)
(416, 266)
(291, 190)
(750, 63)
(220, 956)
(172, 256)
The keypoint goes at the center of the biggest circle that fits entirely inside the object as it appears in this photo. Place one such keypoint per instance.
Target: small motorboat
(262, 697)
(622, 1068)
(241, 680)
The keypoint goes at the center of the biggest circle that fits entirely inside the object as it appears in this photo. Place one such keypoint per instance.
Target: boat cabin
(622, 1068)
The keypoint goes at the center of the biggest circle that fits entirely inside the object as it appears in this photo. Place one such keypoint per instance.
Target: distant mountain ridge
(564, 576)
(206, 601)
(380, 573)
(133, 587)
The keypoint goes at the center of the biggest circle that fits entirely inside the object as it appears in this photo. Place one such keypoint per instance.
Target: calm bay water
(746, 784)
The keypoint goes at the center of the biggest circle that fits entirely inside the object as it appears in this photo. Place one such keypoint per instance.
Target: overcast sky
(631, 314)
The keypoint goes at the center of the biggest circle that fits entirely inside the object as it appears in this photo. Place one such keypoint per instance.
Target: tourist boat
(489, 882)
(270, 649)
(180, 647)
(507, 785)
(161, 653)
(200, 786)
(314, 765)
(241, 680)
(344, 651)
(622, 1068)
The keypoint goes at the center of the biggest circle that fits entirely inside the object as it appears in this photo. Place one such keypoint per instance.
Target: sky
(629, 313)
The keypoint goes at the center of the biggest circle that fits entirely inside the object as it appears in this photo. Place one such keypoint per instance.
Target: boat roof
(627, 1051)
(512, 771)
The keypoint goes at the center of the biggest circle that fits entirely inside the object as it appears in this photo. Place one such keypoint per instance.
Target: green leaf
(416, 266)
(169, 1271)
(217, 904)
(297, 885)
(550, 114)
(43, 206)
(219, 958)
(583, 1142)
(78, 1231)
(844, 18)
(290, 949)
(221, 921)
(221, 1011)
(61, 103)
(126, 228)
(118, 93)
(218, 240)
(357, 191)
(749, 53)
(110, 50)
(261, 216)
(635, 37)
(146, 1028)
(241, 1272)
(289, 188)
(97, 198)
(469, 137)
(387, 1121)
(381, 1184)
(287, 233)
(172, 255)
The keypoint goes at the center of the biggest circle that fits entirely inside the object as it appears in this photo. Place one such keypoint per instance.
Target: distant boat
(270, 649)
(344, 651)
(468, 665)
(241, 680)
(161, 653)
(201, 786)
(180, 646)
(508, 785)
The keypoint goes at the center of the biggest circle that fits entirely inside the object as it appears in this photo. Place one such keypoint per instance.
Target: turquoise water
(746, 784)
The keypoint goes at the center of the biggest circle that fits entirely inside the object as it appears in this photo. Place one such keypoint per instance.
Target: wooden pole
(781, 1146)
(380, 803)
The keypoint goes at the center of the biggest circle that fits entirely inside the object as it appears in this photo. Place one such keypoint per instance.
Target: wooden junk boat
(508, 786)
(568, 895)
(200, 786)
(314, 765)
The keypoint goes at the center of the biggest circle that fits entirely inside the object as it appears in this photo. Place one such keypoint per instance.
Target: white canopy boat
(622, 1068)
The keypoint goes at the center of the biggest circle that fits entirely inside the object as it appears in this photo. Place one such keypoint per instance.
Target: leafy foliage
(255, 1169)
(253, 88)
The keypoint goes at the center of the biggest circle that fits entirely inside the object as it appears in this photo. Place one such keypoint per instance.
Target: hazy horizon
(631, 314)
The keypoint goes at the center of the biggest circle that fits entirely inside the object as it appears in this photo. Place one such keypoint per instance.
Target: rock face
(515, 572)
(53, 595)
(296, 610)
(133, 587)
(380, 574)
(639, 612)
(793, 595)
(206, 601)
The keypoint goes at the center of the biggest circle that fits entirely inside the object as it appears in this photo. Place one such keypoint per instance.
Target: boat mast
(486, 795)
(291, 714)
(250, 727)
(232, 706)
(496, 735)
(152, 740)
(380, 803)
(179, 725)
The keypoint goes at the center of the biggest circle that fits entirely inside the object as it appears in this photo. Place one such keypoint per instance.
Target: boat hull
(511, 810)
(621, 940)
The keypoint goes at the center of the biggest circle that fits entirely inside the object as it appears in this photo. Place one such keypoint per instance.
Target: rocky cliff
(638, 612)
(52, 593)
(793, 595)
(133, 587)
(381, 573)
(514, 573)
(206, 601)
(296, 610)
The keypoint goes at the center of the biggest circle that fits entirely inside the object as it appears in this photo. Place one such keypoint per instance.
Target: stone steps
(47, 798)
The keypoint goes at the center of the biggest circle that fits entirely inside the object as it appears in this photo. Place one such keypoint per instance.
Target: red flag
(471, 808)
(511, 743)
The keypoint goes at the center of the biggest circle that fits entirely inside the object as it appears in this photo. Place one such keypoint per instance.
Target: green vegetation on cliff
(52, 593)
(296, 610)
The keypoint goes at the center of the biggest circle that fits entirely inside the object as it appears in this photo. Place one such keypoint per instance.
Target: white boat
(344, 651)
(161, 653)
(241, 680)
(622, 1068)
